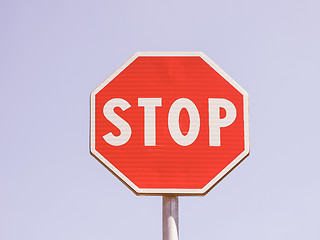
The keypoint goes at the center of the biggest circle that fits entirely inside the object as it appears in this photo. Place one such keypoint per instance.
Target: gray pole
(170, 217)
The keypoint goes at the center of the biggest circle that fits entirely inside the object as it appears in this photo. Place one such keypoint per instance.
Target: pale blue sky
(54, 53)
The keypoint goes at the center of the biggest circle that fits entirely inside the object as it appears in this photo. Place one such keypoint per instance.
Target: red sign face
(169, 123)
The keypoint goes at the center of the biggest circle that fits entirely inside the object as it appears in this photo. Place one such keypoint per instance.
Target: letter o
(173, 121)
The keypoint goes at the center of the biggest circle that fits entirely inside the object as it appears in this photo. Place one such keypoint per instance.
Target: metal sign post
(170, 217)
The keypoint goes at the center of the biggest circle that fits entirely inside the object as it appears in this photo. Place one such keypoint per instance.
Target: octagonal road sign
(169, 123)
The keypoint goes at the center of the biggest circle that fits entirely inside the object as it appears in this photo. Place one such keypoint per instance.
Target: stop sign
(169, 123)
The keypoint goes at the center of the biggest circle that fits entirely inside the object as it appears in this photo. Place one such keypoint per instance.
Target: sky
(54, 53)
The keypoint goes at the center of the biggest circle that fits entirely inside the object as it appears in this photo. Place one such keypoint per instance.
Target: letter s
(122, 125)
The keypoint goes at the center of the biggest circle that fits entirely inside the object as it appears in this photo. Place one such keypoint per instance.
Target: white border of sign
(148, 191)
